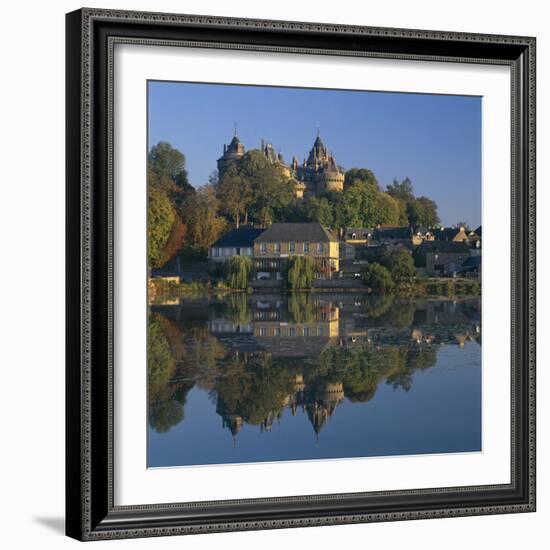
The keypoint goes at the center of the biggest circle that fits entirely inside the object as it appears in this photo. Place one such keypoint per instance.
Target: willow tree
(238, 271)
(300, 273)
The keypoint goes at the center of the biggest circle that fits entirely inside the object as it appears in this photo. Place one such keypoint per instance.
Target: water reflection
(258, 357)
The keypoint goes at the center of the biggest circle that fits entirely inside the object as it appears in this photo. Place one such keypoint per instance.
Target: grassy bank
(439, 287)
(161, 290)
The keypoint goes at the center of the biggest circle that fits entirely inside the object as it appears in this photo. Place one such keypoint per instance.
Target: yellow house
(281, 241)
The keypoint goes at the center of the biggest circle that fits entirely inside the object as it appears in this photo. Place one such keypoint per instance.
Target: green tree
(300, 273)
(238, 271)
(377, 279)
(318, 209)
(234, 195)
(430, 217)
(401, 190)
(160, 219)
(354, 175)
(387, 211)
(271, 191)
(400, 263)
(166, 161)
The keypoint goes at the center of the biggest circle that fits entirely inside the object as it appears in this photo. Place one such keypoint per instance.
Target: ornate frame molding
(91, 36)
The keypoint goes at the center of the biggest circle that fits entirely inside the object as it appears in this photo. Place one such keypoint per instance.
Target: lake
(256, 378)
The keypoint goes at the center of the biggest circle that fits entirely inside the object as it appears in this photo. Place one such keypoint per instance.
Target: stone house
(409, 235)
(237, 242)
(441, 258)
(281, 241)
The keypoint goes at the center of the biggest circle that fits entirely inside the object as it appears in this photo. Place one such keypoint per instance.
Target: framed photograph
(300, 274)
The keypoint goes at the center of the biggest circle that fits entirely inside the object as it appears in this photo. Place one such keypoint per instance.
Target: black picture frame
(90, 510)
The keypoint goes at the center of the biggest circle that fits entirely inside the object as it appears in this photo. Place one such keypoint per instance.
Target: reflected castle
(259, 356)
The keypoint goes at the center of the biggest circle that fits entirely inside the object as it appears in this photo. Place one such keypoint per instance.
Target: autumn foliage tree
(160, 220)
(201, 214)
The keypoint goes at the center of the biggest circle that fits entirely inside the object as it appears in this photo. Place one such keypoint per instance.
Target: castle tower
(320, 173)
(231, 153)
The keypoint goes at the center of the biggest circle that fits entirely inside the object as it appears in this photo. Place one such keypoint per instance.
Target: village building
(357, 235)
(474, 237)
(237, 242)
(281, 241)
(408, 235)
(454, 234)
(440, 258)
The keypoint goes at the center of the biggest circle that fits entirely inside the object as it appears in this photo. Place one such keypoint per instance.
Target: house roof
(244, 236)
(447, 247)
(360, 232)
(306, 232)
(404, 232)
(478, 231)
(446, 233)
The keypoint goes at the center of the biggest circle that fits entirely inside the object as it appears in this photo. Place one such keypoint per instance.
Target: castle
(315, 176)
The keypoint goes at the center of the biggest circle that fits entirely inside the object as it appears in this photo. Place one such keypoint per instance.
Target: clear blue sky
(435, 140)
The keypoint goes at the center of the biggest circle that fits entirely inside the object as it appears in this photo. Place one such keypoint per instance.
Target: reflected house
(281, 241)
(285, 336)
(304, 353)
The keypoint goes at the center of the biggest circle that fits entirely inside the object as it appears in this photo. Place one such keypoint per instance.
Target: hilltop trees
(365, 175)
(235, 196)
(419, 211)
(257, 190)
(361, 204)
